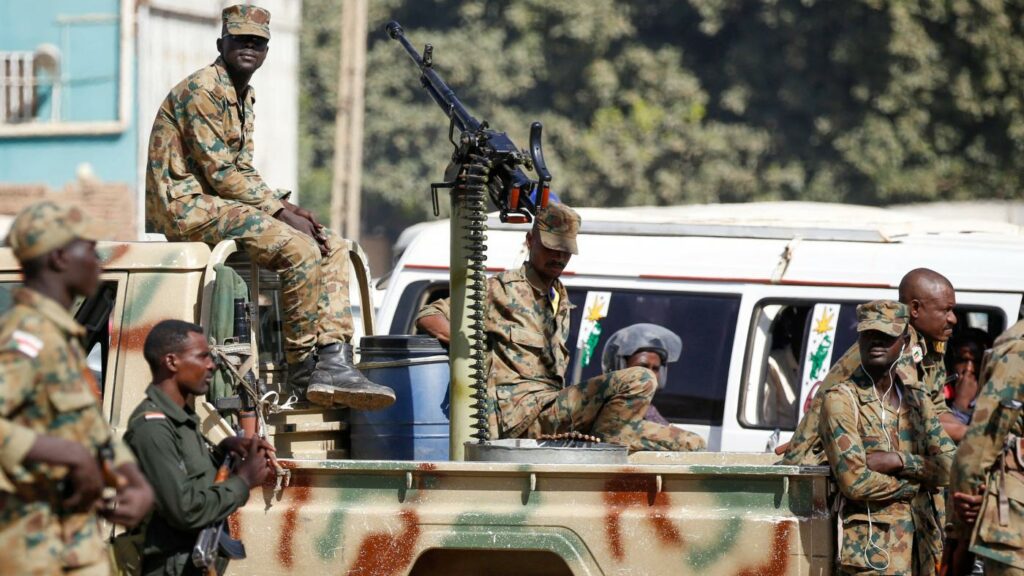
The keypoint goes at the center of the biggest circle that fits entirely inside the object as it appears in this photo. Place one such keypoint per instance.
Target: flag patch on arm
(154, 416)
(27, 344)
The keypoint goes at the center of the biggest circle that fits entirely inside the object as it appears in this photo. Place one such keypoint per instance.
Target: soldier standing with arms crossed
(51, 426)
(201, 187)
(929, 298)
(988, 476)
(887, 450)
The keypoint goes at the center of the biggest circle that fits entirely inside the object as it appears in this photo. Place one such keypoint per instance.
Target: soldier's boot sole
(330, 396)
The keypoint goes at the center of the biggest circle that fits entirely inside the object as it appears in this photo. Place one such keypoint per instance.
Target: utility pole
(348, 121)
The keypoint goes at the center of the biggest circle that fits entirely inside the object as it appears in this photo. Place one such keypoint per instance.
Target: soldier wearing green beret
(201, 186)
(888, 452)
(51, 426)
(527, 324)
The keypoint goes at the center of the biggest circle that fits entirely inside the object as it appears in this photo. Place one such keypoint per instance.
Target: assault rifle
(214, 540)
(509, 188)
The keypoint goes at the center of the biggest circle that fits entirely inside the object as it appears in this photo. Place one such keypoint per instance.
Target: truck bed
(701, 513)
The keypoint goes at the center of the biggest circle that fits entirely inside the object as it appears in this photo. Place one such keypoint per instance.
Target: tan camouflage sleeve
(16, 378)
(441, 306)
(936, 393)
(984, 439)
(205, 137)
(932, 469)
(846, 455)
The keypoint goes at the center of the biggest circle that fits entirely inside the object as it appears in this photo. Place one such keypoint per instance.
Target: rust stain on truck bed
(637, 491)
(778, 560)
(384, 553)
(300, 493)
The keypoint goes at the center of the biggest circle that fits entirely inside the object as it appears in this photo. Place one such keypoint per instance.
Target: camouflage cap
(46, 226)
(558, 225)
(886, 316)
(246, 20)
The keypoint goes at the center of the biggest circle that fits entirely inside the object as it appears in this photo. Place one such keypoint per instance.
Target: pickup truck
(710, 513)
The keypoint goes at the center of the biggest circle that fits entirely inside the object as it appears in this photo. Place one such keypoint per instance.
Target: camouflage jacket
(201, 143)
(805, 447)
(1003, 381)
(45, 388)
(527, 340)
(904, 520)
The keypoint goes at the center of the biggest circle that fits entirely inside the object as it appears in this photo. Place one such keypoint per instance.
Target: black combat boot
(299, 373)
(336, 382)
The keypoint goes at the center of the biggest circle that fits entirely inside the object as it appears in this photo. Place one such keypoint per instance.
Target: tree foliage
(670, 102)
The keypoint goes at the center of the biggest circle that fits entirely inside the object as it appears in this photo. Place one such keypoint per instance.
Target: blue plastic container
(415, 427)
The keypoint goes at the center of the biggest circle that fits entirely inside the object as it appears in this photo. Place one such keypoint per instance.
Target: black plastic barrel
(415, 427)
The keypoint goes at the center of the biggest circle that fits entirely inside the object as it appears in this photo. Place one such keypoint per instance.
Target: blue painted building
(66, 92)
(80, 83)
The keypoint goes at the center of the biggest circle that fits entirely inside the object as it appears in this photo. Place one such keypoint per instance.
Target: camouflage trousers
(612, 406)
(314, 289)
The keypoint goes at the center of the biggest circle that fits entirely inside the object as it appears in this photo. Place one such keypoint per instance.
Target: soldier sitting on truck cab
(201, 187)
(527, 324)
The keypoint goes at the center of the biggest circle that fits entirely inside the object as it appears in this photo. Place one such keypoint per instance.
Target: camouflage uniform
(806, 448)
(46, 388)
(1002, 547)
(201, 186)
(529, 358)
(181, 466)
(901, 508)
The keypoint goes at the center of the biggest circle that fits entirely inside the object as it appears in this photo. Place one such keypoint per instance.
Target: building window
(67, 70)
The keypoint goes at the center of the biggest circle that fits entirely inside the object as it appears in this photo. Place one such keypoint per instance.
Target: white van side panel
(983, 267)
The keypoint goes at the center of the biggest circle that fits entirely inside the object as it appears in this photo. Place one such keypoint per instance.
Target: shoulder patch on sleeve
(28, 344)
(916, 354)
(154, 416)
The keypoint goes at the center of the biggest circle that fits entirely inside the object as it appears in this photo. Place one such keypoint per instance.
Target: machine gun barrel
(439, 91)
(509, 187)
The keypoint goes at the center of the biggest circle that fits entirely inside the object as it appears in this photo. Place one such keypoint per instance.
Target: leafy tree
(668, 102)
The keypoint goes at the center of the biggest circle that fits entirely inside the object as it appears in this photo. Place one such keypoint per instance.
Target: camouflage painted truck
(711, 513)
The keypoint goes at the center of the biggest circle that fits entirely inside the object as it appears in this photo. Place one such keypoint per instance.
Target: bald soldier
(527, 325)
(930, 300)
(887, 452)
(201, 187)
(52, 430)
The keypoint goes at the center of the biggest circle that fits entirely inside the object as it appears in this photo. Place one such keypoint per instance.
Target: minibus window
(696, 384)
(776, 382)
(7, 294)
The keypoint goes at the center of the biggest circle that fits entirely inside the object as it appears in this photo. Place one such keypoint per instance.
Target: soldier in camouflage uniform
(888, 452)
(998, 422)
(201, 186)
(527, 325)
(51, 425)
(930, 299)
